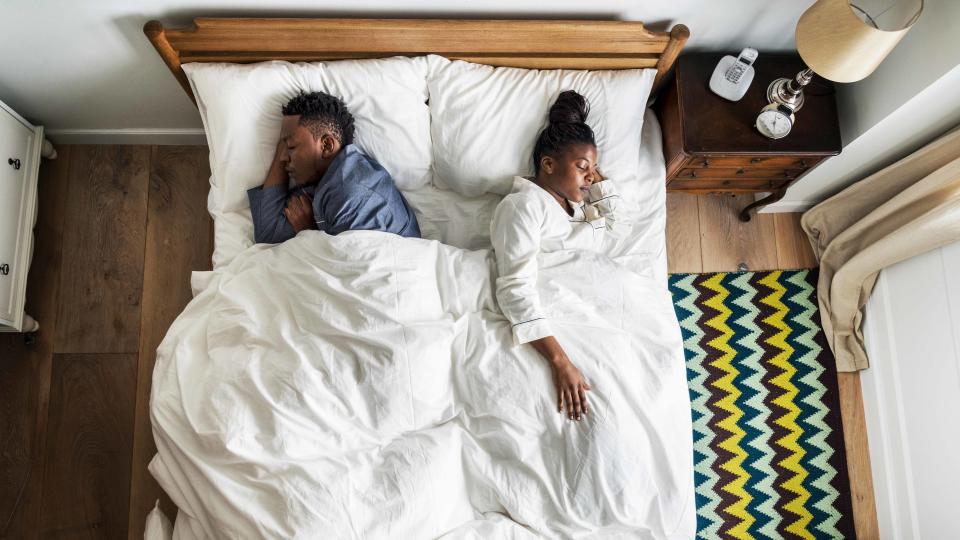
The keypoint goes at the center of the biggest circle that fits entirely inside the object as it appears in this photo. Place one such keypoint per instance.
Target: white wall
(911, 395)
(925, 117)
(909, 100)
(86, 65)
(85, 70)
(929, 50)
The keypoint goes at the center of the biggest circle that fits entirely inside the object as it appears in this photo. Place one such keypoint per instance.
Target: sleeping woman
(566, 205)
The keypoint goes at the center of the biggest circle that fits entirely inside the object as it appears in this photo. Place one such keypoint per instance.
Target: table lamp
(844, 41)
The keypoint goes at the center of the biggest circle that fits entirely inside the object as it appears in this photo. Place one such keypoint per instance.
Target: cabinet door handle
(706, 163)
(4, 269)
(15, 163)
(755, 160)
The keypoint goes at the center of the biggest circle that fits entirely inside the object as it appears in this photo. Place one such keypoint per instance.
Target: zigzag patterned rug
(769, 459)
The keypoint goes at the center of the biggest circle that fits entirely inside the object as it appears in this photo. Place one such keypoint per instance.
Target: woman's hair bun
(569, 108)
(567, 126)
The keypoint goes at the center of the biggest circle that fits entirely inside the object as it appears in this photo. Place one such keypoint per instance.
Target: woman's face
(571, 172)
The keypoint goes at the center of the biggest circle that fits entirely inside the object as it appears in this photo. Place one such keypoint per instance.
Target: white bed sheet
(365, 386)
(461, 221)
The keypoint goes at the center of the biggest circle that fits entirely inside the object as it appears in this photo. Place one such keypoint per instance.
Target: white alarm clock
(775, 121)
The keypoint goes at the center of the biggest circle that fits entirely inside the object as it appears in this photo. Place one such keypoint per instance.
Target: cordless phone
(733, 76)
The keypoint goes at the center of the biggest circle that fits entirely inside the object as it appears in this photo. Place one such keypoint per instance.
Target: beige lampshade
(841, 46)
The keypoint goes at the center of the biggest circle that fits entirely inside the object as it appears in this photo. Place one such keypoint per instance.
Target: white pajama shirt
(528, 222)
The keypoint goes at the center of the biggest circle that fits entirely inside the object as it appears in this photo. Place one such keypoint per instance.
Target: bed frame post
(678, 37)
(158, 37)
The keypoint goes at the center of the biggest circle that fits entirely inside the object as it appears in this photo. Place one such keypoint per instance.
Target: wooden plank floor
(120, 229)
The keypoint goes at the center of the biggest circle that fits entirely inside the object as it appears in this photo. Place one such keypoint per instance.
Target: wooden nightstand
(712, 146)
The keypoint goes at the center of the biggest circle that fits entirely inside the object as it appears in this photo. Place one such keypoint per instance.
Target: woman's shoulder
(523, 200)
(518, 210)
(523, 191)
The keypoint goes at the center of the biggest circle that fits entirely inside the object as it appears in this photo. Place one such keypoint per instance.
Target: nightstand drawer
(739, 173)
(726, 184)
(753, 162)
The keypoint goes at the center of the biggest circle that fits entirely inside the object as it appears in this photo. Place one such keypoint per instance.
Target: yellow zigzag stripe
(787, 401)
(728, 403)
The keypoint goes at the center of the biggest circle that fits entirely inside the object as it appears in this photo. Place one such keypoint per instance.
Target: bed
(365, 385)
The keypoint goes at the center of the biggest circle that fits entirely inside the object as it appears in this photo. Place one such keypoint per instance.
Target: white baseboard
(180, 136)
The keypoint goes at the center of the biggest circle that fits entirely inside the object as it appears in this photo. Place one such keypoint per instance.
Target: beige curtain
(906, 209)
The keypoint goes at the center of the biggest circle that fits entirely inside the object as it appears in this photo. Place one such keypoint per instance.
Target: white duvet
(366, 386)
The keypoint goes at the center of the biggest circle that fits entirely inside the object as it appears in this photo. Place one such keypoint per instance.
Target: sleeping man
(338, 188)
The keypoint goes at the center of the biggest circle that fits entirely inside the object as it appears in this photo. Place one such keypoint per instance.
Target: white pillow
(485, 120)
(241, 110)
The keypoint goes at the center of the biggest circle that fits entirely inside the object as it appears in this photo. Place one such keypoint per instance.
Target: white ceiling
(83, 64)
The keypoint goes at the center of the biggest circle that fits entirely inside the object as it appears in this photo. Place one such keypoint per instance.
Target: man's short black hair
(319, 111)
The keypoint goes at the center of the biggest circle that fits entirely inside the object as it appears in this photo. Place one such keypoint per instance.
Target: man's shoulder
(350, 164)
(356, 162)
(349, 191)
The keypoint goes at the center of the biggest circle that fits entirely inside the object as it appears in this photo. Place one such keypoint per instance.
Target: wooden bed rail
(544, 44)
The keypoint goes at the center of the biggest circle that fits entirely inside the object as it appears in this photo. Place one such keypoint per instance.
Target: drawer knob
(706, 163)
(4, 269)
(755, 160)
(803, 163)
(15, 163)
(739, 171)
(691, 174)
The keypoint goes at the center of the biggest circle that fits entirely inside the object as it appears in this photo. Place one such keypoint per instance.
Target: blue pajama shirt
(355, 193)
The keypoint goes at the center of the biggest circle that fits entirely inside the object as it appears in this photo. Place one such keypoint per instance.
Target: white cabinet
(20, 148)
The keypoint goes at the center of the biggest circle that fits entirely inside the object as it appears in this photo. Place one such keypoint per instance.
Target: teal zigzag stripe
(826, 514)
(689, 316)
(746, 362)
(761, 455)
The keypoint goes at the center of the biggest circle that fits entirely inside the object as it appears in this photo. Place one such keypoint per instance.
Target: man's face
(303, 158)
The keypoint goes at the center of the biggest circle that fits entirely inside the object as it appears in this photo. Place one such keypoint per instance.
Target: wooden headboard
(542, 44)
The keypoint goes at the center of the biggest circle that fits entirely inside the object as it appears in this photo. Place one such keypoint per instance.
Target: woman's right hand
(571, 386)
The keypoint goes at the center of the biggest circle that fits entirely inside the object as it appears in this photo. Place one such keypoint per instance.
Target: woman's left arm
(515, 235)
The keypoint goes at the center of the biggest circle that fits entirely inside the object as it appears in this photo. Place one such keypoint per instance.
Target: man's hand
(299, 213)
(277, 174)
